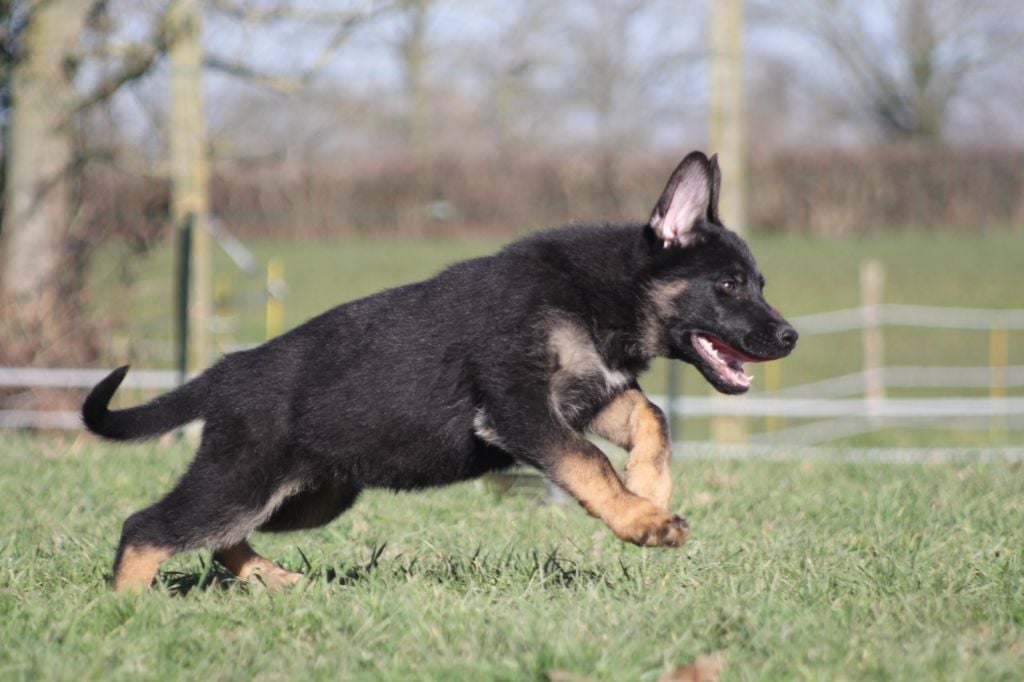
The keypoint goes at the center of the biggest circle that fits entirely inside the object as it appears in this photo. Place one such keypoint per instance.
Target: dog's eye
(727, 285)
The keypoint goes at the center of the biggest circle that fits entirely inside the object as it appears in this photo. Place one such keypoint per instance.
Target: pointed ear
(716, 187)
(684, 202)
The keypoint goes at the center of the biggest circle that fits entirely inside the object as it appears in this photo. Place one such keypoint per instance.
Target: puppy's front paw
(655, 486)
(657, 528)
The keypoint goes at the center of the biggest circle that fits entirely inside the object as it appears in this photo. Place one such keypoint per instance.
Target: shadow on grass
(546, 570)
(543, 569)
(212, 577)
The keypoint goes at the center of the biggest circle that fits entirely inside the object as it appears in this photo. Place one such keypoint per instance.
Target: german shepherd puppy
(501, 360)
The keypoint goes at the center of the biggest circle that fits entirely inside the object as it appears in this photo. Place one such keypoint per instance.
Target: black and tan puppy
(506, 359)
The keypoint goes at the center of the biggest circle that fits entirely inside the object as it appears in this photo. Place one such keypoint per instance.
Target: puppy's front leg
(586, 474)
(633, 422)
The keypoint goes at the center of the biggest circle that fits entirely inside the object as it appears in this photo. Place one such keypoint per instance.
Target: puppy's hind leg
(218, 503)
(136, 564)
(242, 560)
(313, 507)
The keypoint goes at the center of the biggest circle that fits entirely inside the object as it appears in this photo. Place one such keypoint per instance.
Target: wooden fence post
(998, 358)
(872, 280)
(188, 168)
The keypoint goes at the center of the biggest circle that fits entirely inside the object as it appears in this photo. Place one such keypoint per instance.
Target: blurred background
(184, 178)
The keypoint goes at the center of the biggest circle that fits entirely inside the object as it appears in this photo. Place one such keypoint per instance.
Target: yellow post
(998, 357)
(222, 295)
(275, 302)
(771, 385)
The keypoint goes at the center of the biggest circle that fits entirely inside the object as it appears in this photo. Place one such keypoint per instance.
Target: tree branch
(283, 84)
(136, 63)
(287, 12)
(344, 22)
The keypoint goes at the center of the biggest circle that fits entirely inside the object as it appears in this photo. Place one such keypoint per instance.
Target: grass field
(823, 570)
(805, 275)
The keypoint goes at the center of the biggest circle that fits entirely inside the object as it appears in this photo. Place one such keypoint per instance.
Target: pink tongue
(730, 358)
(726, 353)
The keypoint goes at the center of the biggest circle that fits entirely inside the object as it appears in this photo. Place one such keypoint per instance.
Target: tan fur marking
(660, 302)
(247, 565)
(664, 294)
(246, 524)
(574, 350)
(632, 422)
(589, 477)
(138, 567)
(577, 357)
(613, 421)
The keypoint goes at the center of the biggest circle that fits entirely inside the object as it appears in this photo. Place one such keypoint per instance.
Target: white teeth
(733, 368)
(709, 347)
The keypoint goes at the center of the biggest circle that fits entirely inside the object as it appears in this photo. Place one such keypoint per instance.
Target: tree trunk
(37, 212)
(413, 50)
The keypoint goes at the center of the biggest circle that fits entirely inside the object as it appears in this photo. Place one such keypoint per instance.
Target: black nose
(787, 336)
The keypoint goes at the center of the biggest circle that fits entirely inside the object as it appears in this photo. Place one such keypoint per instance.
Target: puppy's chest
(581, 381)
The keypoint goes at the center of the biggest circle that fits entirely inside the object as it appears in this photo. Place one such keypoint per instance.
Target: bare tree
(12, 26)
(625, 69)
(40, 266)
(413, 51)
(902, 66)
(513, 63)
(39, 158)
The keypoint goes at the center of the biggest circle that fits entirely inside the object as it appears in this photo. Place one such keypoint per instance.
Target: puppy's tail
(181, 406)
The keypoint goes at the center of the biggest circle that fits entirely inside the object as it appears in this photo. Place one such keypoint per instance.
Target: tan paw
(656, 529)
(271, 576)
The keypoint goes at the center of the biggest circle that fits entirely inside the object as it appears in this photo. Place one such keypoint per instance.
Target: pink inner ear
(689, 203)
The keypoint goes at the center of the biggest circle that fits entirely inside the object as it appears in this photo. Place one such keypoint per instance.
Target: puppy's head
(705, 295)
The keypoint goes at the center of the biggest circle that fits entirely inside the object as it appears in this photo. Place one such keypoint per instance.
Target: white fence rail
(899, 315)
(61, 378)
(45, 377)
(1011, 376)
(812, 408)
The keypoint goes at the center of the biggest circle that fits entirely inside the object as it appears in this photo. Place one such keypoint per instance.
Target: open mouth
(724, 361)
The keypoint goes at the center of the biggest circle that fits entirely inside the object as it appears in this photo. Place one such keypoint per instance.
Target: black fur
(179, 407)
(395, 390)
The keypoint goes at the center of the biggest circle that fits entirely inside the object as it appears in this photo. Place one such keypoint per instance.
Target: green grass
(814, 570)
(805, 275)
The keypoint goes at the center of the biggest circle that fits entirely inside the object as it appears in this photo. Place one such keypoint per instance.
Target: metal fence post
(183, 276)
